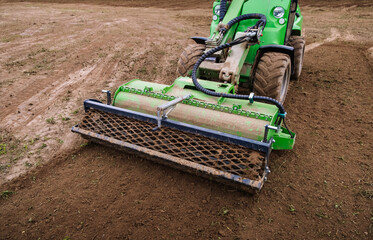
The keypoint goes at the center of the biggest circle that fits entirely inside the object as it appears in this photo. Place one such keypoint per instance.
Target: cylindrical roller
(208, 118)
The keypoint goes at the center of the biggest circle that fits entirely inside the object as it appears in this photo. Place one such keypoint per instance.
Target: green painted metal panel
(234, 10)
(274, 33)
(238, 117)
(233, 116)
(215, 22)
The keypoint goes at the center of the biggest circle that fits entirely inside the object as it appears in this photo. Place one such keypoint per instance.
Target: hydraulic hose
(223, 9)
(260, 23)
(226, 95)
(236, 96)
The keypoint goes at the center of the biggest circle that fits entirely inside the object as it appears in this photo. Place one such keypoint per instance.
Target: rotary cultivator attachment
(231, 143)
(210, 122)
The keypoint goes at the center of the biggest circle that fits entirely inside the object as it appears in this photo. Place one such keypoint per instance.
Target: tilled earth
(54, 185)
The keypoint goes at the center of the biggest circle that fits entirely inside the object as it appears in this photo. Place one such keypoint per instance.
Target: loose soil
(54, 185)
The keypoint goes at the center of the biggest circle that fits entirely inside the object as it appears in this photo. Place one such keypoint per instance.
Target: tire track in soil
(101, 192)
(97, 192)
(81, 64)
(335, 34)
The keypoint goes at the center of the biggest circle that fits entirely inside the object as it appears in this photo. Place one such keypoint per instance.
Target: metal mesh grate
(219, 155)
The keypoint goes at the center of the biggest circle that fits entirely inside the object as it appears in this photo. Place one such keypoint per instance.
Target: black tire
(299, 44)
(189, 57)
(272, 76)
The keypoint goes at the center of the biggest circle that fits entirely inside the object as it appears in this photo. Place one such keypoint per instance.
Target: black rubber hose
(223, 9)
(261, 23)
(291, 135)
(237, 96)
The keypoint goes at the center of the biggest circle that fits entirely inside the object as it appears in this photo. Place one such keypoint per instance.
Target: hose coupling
(251, 97)
(282, 115)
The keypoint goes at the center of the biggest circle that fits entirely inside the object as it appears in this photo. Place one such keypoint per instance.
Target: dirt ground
(54, 185)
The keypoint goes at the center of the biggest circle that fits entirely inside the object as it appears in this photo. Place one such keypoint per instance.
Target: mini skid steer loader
(224, 115)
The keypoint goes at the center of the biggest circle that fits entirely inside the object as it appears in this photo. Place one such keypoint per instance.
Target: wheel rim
(285, 84)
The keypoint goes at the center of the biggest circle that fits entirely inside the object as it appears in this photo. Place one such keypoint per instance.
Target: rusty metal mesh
(219, 155)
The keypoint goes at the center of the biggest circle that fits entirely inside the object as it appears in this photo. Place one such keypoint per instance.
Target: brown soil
(53, 56)
(193, 4)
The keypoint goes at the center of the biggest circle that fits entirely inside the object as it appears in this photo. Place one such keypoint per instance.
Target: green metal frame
(144, 97)
(135, 92)
(135, 123)
(273, 34)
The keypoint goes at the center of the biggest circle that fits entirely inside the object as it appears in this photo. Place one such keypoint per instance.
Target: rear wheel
(272, 76)
(298, 43)
(189, 57)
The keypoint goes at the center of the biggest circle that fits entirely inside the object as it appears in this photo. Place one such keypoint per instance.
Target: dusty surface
(53, 56)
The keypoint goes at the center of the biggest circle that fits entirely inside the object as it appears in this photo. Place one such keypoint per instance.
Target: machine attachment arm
(167, 108)
(108, 96)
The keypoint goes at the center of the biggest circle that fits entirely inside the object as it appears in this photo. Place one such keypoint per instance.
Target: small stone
(138, 223)
(222, 233)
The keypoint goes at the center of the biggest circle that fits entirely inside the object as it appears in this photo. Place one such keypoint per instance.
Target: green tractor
(224, 115)
(265, 68)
